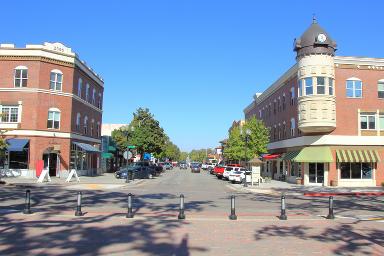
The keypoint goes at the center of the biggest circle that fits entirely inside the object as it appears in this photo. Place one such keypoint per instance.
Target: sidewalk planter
(333, 183)
(298, 181)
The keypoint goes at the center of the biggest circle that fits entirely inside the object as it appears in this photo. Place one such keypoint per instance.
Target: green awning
(111, 149)
(290, 155)
(106, 155)
(314, 155)
(357, 156)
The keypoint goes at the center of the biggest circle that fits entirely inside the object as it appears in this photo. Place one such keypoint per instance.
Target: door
(50, 162)
(316, 173)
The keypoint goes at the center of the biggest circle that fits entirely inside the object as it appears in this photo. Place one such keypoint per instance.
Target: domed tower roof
(315, 40)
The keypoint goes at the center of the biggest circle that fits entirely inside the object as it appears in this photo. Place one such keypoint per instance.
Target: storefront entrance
(50, 162)
(316, 173)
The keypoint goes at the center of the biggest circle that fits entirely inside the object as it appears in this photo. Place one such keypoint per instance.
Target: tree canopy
(257, 140)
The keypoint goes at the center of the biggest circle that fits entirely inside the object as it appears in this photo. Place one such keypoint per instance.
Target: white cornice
(48, 51)
(52, 92)
(331, 140)
(55, 134)
(359, 60)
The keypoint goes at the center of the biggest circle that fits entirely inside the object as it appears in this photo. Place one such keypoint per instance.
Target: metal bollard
(283, 216)
(181, 215)
(330, 216)
(27, 209)
(129, 213)
(245, 180)
(233, 214)
(78, 208)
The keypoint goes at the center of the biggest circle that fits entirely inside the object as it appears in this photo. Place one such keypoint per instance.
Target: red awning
(271, 156)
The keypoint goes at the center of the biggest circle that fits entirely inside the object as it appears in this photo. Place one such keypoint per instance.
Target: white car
(239, 176)
(227, 171)
(204, 166)
(231, 173)
(210, 166)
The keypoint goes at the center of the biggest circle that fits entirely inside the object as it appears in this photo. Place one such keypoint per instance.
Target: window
(260, 114)
(274, 132)
(320, 85)
(308, 86)
(293, 126)
(354, 88)
(92, 126)
(381, 122)
(300, 87)
(279, 104)
(56, 80)
(356, 170)
(87, 92)
(94, 96)
(78, 122)
(330, 86)
(367, 121)
(274, 107)
(85, 125)
(284, 101)
(284, 131)
(292, 96)
(98, 129)
(53, 118)
(279, 132)
(270, 109)
(380, 89)
(21, 76)
(10, 114)
(99, 104)
(79, 87)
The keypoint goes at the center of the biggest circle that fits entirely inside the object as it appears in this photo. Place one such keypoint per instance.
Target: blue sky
(195, 64)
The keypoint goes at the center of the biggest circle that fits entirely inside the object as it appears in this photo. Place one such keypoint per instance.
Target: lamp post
(132, 130)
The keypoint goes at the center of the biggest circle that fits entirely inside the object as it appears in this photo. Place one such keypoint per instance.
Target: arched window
(87, 92)
(79, 87)
(292, 96)
(293, 127)
(380, 88)
(78, 120)
(283, 101)
(354, 88)
(94, 97)
(284, 130)
(53, 118)
(279, 132)
(99, 104)
(98, 131)
(21, 76)
(92, 126)
(85, 125)
(56, 80)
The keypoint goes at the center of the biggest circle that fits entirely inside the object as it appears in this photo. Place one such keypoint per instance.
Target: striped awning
(354, 156)
(290, 155)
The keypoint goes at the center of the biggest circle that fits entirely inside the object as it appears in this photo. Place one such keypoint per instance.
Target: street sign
(131, 146)
(127, 154)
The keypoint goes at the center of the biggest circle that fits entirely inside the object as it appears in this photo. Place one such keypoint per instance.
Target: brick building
(51, 105)
(325, 115)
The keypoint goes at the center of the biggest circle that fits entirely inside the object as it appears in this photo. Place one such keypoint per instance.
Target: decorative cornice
(51, 92)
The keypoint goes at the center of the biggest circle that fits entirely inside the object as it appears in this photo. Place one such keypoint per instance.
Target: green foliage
(170, 151)
(257, 141)
(197, 155)
(3, 144)
(183, 156)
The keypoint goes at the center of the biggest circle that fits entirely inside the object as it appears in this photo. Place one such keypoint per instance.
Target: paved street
(53, 229)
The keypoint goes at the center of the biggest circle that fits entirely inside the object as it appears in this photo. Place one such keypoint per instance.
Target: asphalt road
(53, 229)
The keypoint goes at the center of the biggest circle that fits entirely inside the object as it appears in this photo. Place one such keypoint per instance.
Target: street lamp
(132, 130)
(246, 134)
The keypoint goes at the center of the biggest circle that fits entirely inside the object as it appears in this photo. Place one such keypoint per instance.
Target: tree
(197, 155)
(258, 139)
(183, 156)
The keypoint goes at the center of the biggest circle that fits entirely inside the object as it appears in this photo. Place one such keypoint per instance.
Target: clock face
(321, 38)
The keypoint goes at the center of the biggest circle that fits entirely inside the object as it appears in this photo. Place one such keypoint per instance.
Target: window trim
(78, 122)
(56, 72)
(9, 107)
(54, 111)
(79, 87)
(21, 68)
(380, 82)
(354, 80)
(368, 115)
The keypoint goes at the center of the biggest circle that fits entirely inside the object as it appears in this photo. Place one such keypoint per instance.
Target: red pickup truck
(219, 169)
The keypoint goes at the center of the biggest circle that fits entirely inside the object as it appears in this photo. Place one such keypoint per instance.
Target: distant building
(325, 115)
(111, 158)
(51, 105)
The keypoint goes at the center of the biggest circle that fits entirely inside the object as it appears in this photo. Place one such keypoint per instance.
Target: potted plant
(299, 180)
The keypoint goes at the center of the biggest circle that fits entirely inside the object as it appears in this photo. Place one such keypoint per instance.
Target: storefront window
(18, 160)
(356, 170)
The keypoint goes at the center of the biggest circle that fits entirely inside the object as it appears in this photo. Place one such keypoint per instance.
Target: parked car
(195, 167)
(218, 171)
(137, 172)
(239, 176)
(167, 166)
(183, 165)
(204, 166)
(228, 170)
(210, 166)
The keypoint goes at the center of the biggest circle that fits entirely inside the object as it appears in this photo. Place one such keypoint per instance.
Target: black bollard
(233, 214)
(129, 213)
(181, 215)
(330, 213)
(283, 216)
(78, 208)
(27, 209)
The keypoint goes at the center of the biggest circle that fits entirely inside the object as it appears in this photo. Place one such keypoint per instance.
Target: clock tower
(316, 75)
